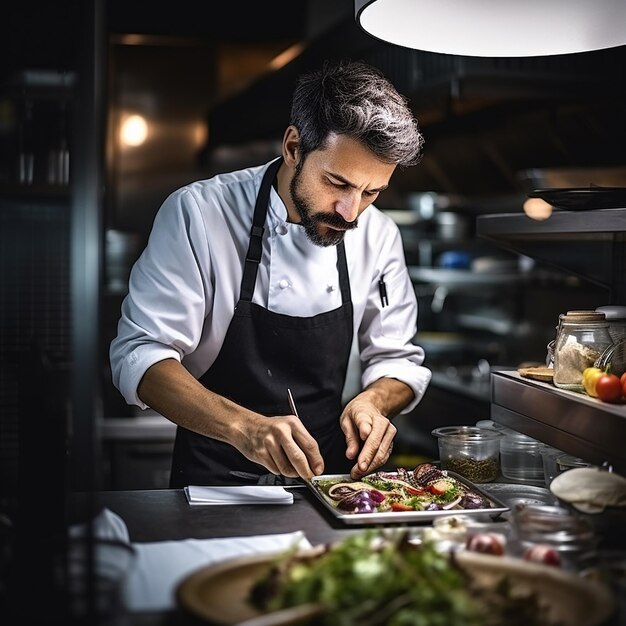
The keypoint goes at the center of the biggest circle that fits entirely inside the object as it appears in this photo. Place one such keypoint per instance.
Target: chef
(269, 279)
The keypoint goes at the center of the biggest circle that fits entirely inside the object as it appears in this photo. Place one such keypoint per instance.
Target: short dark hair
(355, 99)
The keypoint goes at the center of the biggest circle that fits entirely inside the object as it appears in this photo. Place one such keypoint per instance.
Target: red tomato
(623, 381)
(609, 388)
(399, 506)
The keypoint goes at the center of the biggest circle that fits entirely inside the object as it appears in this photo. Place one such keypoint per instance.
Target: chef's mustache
(335, 220)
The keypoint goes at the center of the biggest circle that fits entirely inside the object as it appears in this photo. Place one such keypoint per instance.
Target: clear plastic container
(472, 452)
(582, 337)
(566, 462)
(549, 456)
(520, 458)
(554, 535)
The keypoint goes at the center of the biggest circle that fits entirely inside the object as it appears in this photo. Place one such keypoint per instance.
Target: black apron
(263, 354)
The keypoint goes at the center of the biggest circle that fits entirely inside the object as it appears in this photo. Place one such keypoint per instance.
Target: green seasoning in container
(472, 452)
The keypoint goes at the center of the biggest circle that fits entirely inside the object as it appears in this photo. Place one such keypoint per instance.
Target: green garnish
(373, 580)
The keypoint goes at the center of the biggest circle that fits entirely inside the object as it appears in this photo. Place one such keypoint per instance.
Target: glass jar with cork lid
(582, 337)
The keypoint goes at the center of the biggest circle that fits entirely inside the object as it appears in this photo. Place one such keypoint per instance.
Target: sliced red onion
(452, 504)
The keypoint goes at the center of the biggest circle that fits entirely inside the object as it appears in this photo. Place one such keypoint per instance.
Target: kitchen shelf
(463, 278)
(588, 244)
(570, 421)
(591, 245)
(598, 224)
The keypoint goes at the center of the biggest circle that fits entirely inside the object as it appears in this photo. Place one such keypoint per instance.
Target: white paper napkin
(239, 494)
(160, 566)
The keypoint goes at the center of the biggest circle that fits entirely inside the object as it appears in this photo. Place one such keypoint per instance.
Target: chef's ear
(291, 146)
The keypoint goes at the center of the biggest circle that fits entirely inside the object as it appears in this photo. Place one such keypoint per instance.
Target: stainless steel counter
(153, 427)
(573, 422)
(137, 451)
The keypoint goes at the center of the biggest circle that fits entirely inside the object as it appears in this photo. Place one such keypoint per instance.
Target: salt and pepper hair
(355, 99)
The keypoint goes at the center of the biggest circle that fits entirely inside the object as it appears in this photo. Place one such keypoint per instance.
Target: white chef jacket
(184, 287)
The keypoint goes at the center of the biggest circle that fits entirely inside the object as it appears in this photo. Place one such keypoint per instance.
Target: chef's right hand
(284, 446)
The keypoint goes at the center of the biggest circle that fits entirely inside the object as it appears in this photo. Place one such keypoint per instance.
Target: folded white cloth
(159, 567)
(162, 566)
(239, 494)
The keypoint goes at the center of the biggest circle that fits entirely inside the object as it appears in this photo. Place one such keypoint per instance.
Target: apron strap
(255, 247)
(344, 278)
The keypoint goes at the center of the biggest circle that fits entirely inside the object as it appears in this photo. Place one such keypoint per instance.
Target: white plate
(219, 593)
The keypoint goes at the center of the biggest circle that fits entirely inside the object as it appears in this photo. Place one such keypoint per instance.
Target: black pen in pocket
(382, 289)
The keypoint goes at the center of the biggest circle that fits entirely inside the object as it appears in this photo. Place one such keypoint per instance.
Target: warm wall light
(134, 130)
(537, 209)
(496, 28)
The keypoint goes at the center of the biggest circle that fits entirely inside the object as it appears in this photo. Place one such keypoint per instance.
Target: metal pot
(451, 226)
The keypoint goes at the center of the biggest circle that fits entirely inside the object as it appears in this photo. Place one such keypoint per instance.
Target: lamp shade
(496, 28)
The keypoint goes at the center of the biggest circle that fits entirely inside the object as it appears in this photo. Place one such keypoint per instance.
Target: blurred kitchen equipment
(26, 156)
(455, 259)
(451, 226)
(582, 198)
(616, 317)
(614, 357)
(121, 250)
(546, 178)
(95, 572)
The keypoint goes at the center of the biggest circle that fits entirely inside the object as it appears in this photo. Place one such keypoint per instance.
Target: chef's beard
(312, 222)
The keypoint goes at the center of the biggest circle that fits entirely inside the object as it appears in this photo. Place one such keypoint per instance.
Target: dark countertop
(158, 515)
(164, 514)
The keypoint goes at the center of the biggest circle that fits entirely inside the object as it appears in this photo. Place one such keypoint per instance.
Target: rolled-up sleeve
(169, 290)
(386, 331)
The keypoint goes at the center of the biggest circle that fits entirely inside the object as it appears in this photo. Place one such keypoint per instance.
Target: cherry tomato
(591, 375)
(609, 388)
(400, 506)
(623, 381)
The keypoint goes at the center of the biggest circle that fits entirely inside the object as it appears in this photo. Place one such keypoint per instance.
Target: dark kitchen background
(82, 82)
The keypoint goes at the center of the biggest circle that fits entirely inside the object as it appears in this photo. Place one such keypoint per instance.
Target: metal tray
(513, 494)
(393, 517)
(583, 198)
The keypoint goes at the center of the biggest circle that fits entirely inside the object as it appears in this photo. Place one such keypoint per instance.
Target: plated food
(376, 578)
(426, 492)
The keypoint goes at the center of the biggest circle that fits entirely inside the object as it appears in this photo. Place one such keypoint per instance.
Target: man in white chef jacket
(257, 281)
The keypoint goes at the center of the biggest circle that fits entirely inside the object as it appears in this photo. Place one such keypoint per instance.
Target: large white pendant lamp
(496, 28)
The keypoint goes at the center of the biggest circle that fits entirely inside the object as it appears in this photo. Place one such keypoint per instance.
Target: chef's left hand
(368, 430)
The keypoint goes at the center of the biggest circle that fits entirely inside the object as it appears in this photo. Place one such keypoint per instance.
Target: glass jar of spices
(581, 338)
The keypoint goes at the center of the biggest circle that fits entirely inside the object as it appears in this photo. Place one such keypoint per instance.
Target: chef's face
(331, 187)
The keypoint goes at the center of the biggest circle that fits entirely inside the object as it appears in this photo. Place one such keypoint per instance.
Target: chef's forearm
(168, 388)
(388, 395)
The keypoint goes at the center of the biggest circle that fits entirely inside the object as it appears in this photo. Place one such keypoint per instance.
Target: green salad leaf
(374, 580)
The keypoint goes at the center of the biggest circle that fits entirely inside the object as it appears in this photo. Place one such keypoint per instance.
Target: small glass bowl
(470, 451)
